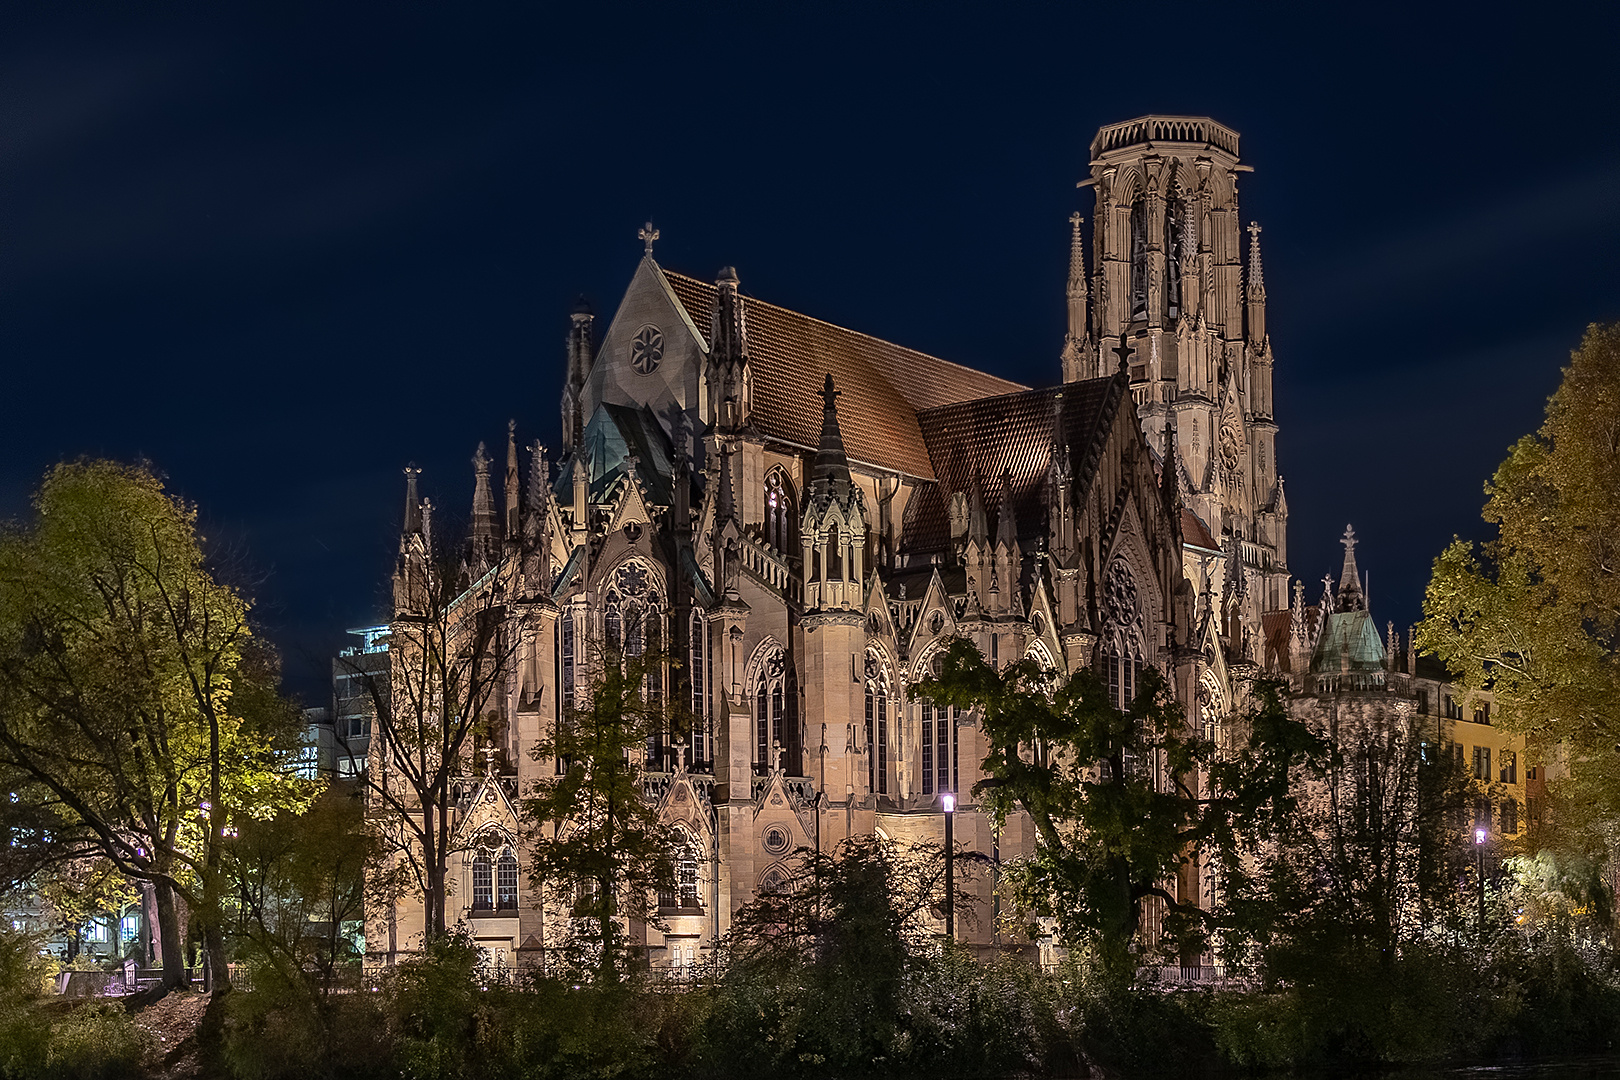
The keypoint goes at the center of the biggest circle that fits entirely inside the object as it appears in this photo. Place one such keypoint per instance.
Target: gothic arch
(881, 716)
(773, 707)
(779, 511)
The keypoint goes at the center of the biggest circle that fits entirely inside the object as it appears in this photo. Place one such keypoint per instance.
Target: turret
(1255, 293)
(1077, 342)
(485, 531)
(833, 526)
(727, 372)
(579, 366)
(514, 512)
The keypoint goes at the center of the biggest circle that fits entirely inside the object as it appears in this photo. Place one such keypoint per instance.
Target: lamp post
(1479, 858)
(947, 802)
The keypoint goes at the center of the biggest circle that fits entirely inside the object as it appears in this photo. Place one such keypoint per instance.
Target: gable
(669, 387)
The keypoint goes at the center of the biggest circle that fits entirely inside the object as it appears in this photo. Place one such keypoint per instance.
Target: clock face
(647, 349)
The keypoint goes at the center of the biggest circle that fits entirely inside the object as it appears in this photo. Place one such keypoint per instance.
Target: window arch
(938, 743)
(877, 725)
(685, 890)
(835, 553)
(775, 697)
(781, 524)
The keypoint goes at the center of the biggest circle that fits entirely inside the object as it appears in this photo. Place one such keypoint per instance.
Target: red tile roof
(884, 385)
(1194, 532)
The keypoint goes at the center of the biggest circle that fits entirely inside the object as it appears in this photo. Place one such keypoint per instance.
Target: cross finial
(648, 234)
(489, 760)
(1075, 219)
(1254, 230)
(776, 757)
(828, 394)
(1124, 351)
(1349, 541)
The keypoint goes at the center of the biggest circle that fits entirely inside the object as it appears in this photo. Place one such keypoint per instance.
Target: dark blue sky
(282, 252)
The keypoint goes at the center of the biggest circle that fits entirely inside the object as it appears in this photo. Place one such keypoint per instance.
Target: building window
(1139, 270)
(1453, 710)
(927, 748)
(779, 517)
(1510, 817)
(774, 698)
(698, 639)
(95, 931)
(566, 652)
(1482, 712)
(507, 880)
(1423, 702)
(1175, 227)
(1509, 773)
(129, 928)
(1482, 763)
(483, 883)
(877, 726)
(835, 554)
(686, 881)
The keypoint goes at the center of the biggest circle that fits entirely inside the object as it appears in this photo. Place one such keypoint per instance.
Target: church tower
(1168, 283)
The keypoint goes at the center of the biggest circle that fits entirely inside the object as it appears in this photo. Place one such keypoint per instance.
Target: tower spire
(1077, 342)
(485, 522)
(831, 465)
(1256, 291)
(728, 351)
(513, 510)
(413, 504)
(579, 366)
(1351, 596)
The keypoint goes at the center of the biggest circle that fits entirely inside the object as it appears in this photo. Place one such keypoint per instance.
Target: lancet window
(506, 880)
(684, 891)
(877, 725)
(780, 530)
(938, 746)
(1139, 262)
(774, 699)
(483, 884)
(697, 665)
(1175, 228)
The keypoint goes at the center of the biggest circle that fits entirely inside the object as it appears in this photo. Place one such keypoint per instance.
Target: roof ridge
(752, 300)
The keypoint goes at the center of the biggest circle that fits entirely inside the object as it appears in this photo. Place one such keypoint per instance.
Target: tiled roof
(883, 385)
(1012, 434)
(1195, 532)
(1275, 627)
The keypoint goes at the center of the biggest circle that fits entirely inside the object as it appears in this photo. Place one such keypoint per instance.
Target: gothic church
(806, 514)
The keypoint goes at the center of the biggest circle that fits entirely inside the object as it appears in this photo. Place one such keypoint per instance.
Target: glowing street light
(1480, 833)
(947, 802)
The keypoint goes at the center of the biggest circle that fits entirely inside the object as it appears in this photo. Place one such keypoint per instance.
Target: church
(806, 514)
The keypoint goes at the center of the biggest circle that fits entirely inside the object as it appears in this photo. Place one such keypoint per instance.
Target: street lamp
(947, 802)
(1479, 857)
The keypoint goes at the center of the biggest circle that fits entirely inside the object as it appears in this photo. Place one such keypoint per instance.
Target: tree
(134, 698)
(1118, 797)
(451, 650)
(299, 880)
(598, 849)
(1533, 614)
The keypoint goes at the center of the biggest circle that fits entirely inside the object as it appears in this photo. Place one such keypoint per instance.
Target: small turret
(727, 370)
(485, 532)
(579, 366)
(1077, 342)
(1256, 289)
(1351, 596)
(514, 512)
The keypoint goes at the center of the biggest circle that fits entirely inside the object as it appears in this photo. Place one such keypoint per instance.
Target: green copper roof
(1349, 642)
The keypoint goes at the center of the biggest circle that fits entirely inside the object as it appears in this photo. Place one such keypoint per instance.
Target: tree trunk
(170, 942)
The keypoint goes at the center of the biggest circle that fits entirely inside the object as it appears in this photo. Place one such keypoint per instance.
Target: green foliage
(1534, 616)
(1112, 793)
(598, 849)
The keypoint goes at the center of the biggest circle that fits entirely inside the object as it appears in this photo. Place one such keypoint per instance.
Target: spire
(539, 478)
(413, 505)
(831, 465)
(1006, 519)
(728, 351)
(579, 366)
(978, 521)
(485, 522)
(1123, 350)
(1297, 615)
(1076, 343)
(1256, 291)
(1168, 490)
(513, 510)
(1351, 595)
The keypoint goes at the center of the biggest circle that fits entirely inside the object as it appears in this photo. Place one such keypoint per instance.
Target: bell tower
(1168, 281)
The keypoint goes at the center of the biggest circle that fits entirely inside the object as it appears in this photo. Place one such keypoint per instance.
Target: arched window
(506, 880)
(774, 699)
(483, 882)
(780, 522)
(1175, 228)
(835, 554)
(696, 664)
(877, 726)
(938, 757)
(1139, 269)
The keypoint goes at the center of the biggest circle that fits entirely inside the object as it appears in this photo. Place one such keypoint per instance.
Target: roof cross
(648, 234)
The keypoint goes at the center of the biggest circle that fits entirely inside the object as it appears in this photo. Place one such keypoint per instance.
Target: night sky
(280, 254)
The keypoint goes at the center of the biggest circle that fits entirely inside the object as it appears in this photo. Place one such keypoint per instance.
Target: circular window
(936, 622)
(647, 349)
(777, 840)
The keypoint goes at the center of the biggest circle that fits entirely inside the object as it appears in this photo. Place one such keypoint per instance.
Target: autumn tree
(1117, 797)
(134, 699)
(597, 847)
(1533, 614)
